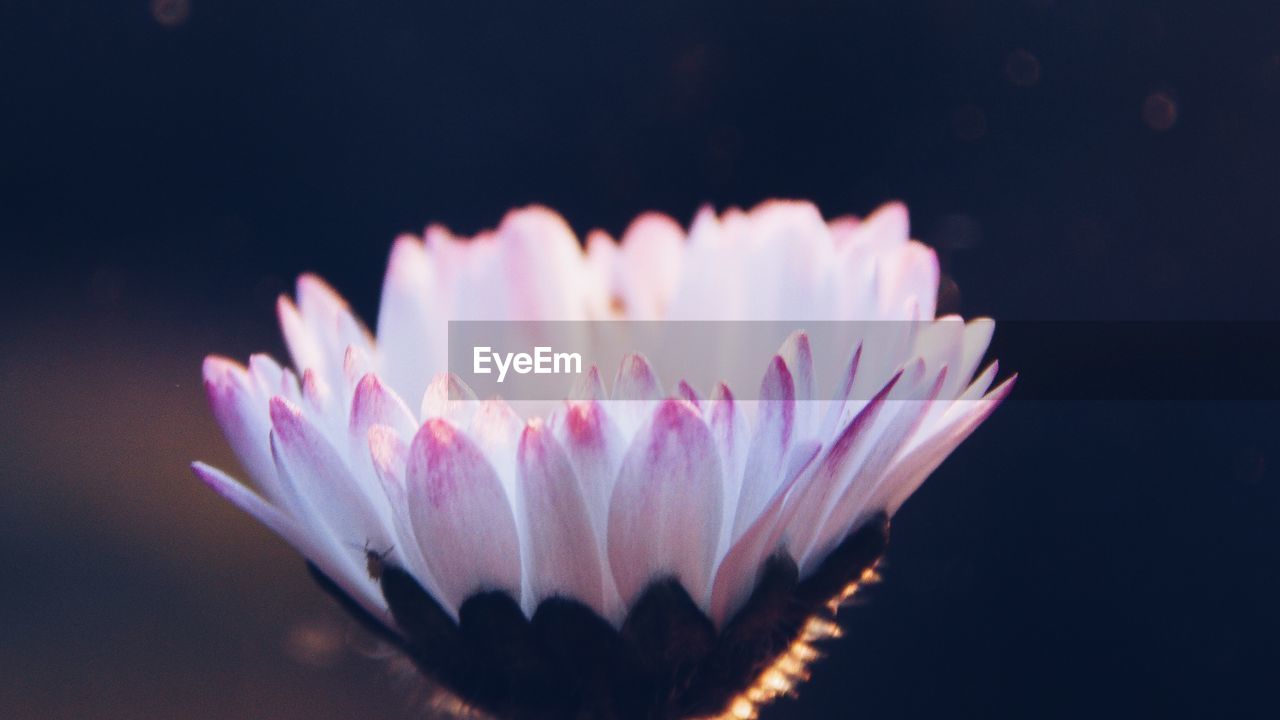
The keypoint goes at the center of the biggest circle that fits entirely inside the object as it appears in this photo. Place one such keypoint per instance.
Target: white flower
(369, 457)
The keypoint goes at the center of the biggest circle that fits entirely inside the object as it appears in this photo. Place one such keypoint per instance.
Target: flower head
(634, 547)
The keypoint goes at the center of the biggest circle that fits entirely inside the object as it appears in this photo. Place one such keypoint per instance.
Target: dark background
(167, 168)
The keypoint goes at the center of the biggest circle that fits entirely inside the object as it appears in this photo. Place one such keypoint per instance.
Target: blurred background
(167, 167)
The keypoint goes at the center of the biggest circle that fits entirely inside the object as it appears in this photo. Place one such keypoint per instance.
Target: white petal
(336, 565)
(390, 455)
(910, 276)
(411, 331)
(736, 575)
(652, 254)
(250, 502)
(542, 266)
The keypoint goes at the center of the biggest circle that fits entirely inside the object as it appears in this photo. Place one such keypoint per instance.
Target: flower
(670, 555)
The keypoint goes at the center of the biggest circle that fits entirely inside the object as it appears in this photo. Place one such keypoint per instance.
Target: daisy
(633, 552)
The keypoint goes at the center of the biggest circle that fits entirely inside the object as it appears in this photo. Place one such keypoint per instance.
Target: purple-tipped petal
(594, 447)
(766, 460)
(664, 517)
(635, 391)
(376, 404)
(241, 413)
(372, 404)
(322, 486)
(460, 513)
(806, 505)
(919, 462)
(686, 392)
(449, 397)
(564, 557)
(902, 416)
(588, 386)
(733, 439)
(636, 380)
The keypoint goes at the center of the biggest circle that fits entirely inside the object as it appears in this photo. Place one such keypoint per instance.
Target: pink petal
(242, 414)
(564, 558)
(461, 516)
(588, 386)
(594, 448)
(686, 392)
(664, 517)
(635, 391)
(322, 485)
(375, 404)
(636, 380)
(450, 398)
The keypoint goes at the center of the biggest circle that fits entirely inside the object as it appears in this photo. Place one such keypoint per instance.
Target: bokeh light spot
(170, 13)
(316, 642)
(1022, 68)
(1159, 111)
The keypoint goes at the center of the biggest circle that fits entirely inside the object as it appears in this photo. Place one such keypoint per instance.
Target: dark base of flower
(666, 662)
